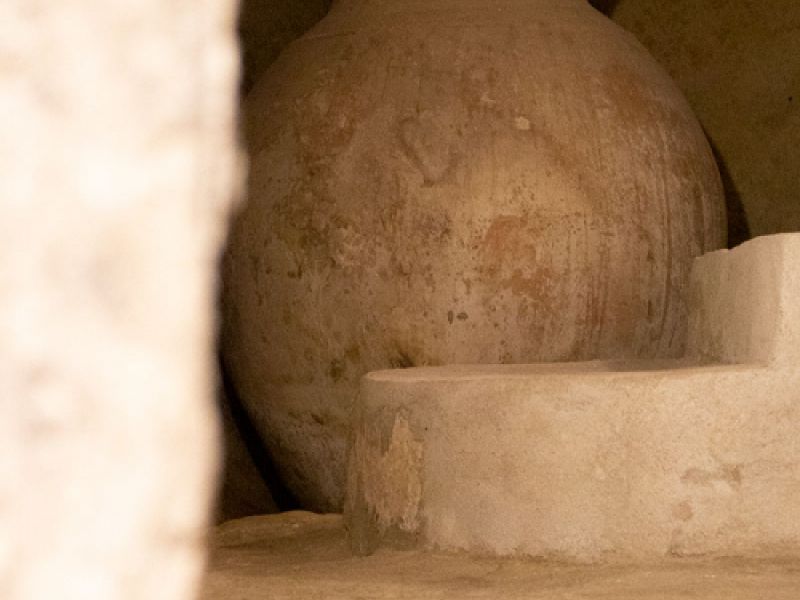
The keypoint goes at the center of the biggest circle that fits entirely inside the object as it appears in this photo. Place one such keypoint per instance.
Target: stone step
(303, 556)
(605, 460)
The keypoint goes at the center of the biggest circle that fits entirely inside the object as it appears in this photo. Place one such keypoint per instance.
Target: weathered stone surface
(747, 304)
(118, 159)
(447, 182)
(296, 556)
(594, 461)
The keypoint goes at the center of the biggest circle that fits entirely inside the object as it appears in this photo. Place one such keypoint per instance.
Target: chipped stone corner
(384, 484)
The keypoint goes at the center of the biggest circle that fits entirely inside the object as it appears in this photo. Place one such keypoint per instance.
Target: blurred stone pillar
(117, 165)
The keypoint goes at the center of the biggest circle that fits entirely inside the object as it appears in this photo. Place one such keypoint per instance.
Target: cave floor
(304, 556)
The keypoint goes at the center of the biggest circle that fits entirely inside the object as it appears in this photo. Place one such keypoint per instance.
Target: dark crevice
(604, 6)
(738, 227)
(255, 446)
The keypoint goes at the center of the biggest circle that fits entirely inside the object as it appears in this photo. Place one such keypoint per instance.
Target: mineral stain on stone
(730, 474)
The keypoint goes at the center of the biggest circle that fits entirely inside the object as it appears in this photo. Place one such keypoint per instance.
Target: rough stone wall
(737, 63)
(118, 159)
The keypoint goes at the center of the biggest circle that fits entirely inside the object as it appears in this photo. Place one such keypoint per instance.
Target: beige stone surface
(599, 461)
(117, 161)
(442, 182)
(298, 556)
(736, 62)
(747, 304)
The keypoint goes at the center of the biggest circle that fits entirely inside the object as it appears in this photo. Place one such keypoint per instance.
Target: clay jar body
(454, 181)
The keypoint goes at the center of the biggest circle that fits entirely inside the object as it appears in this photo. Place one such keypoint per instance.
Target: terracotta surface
(299, 556)
(631, 460)
(451, 183)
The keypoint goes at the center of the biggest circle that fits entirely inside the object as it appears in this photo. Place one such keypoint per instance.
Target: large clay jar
(455, 181)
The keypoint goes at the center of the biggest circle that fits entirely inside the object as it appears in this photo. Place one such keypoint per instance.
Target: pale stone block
(629, 460)
(117, 151)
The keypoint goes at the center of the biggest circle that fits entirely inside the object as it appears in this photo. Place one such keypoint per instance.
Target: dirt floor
(299, 555)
